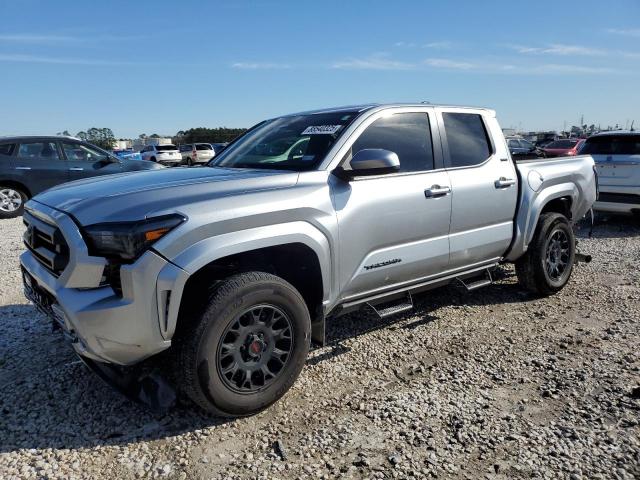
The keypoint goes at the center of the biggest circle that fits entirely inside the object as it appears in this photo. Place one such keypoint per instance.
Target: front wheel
(546, 267)
(247, 348)
(12, 201)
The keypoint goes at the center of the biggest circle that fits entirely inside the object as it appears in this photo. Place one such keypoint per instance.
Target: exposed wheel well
(294, 262)
(17, 185)
(559, 205)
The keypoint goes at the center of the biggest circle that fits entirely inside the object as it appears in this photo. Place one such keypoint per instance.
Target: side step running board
(474, 283)
(393, 307)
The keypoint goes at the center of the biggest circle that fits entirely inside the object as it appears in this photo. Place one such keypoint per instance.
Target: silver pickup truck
(231, 270)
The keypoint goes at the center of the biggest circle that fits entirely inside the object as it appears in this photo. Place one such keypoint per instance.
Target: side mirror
(371, 161)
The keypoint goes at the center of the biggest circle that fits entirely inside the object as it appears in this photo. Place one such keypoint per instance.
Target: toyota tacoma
(228, 272)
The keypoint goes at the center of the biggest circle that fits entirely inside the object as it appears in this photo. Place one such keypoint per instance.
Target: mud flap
(146, 388)
(317, 329)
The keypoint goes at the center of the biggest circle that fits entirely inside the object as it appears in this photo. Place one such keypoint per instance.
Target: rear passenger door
(39, 165)
(484, 186)
(394, 227)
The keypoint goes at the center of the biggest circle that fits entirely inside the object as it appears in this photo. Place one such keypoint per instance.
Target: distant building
(122, 144)
(139, 143)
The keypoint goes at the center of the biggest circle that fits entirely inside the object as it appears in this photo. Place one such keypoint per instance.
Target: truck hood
(136, 195)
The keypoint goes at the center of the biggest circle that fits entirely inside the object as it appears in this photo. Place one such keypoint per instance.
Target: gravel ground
(492, 384)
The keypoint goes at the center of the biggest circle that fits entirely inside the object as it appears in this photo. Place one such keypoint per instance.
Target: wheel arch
(558, 198)
(297, 252)
(16, 184)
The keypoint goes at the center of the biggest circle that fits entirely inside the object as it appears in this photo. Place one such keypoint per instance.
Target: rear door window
(7, 148)
(467, 139)
(39, 150)
(612, 145)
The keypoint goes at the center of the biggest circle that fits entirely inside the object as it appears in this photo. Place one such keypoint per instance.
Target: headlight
(128, 240)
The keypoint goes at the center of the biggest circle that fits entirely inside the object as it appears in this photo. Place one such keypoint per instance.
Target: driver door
(394, 228)
(84, 161)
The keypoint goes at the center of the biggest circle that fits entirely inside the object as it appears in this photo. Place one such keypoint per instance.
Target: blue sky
(161, 66)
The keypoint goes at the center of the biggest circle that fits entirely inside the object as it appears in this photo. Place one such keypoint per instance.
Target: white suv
(164, 154)
(617, 156)
(193, 153)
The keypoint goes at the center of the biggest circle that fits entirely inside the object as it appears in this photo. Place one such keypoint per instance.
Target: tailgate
(618, 170)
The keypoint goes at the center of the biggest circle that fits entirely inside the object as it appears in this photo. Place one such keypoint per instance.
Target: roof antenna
(631, 129)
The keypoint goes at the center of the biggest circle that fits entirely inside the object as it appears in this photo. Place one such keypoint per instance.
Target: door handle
(504, 182)
(23, 168)
(76, 169)
(436, 191)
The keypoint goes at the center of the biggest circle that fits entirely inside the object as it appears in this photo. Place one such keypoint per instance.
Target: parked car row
(188, 154)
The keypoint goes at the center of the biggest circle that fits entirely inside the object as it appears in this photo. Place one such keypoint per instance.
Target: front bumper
(102, 325)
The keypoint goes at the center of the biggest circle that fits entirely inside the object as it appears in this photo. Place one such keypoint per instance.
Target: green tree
(100, 137)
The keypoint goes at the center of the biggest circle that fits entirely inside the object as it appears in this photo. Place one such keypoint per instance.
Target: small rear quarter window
(7, 148)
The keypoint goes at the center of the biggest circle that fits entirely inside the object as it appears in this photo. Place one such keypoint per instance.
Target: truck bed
(545, 179)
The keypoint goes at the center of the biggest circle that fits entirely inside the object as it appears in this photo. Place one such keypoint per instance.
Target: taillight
(194, 153)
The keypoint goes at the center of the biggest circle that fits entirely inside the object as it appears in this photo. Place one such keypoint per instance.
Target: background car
(617, 157)
(165, 154)
(522, 149)
(29, 165)
(563, 147)
(128, 153)
(193, 153)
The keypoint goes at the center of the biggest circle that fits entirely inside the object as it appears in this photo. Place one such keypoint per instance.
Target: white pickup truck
(231, 270)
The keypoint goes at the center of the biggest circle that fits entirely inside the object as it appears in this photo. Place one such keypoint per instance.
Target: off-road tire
(196, 344)
(531, 268)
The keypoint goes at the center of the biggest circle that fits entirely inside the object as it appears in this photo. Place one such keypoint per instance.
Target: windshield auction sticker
(321, 130)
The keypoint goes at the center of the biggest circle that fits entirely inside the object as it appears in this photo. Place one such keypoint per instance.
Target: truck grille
(47, 244)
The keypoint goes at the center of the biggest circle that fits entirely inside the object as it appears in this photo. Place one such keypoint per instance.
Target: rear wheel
(153, 159)
(247, 348)
(11, 201)
(548, 263)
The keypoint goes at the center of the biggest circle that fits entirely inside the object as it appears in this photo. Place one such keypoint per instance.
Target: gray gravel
(493, 384)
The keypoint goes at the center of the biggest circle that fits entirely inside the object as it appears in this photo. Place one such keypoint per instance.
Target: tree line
(208, 135)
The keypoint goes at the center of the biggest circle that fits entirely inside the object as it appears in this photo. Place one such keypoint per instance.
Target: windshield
(298, 142)
(164, 148)
(562, 144)
(203, 146)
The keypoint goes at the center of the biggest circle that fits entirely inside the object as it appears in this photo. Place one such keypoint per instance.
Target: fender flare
(530, 212)
(213, 248)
